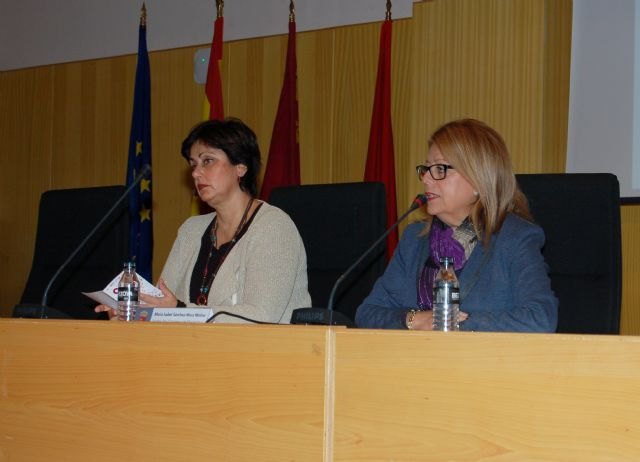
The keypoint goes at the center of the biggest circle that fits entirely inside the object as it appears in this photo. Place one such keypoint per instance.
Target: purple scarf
(441, 244)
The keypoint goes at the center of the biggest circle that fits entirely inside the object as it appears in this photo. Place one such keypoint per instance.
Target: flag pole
(143, 15)
(139, 156)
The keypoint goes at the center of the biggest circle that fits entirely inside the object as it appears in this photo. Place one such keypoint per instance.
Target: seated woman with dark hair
(245, 258)
(481, 219)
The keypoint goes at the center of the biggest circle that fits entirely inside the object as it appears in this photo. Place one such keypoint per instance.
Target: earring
(476, 193)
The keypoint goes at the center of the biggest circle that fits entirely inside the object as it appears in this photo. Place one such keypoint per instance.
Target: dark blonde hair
(480, 155)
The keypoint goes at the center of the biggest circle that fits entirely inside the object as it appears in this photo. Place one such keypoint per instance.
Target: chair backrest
(337, 223)
(580, 215)
(65, 218)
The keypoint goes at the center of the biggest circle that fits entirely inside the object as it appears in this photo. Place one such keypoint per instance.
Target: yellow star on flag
(145, 185)
(145, 214)
(138, 148)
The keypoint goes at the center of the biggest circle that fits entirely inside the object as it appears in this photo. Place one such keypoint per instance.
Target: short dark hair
(237, 141)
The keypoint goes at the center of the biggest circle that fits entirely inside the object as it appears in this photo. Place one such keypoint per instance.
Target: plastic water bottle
(446, 297)
(128, 289)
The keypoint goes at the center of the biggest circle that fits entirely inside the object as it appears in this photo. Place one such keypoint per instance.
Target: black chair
(337, 223)
(580, 215)
(65, 218)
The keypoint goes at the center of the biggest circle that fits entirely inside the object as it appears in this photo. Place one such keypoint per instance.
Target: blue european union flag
(141, 230)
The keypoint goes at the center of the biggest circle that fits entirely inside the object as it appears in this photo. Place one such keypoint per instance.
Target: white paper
(109, 295)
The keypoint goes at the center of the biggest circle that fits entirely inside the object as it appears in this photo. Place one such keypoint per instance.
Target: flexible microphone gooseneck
(419, 201)
(329, 316)
(143, 173)
(233, 315)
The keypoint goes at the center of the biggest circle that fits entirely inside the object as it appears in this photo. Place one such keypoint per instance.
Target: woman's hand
(168, 299)
(423, 320)
(112, 312)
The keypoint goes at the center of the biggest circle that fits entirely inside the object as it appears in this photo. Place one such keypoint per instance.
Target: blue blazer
(504, 287)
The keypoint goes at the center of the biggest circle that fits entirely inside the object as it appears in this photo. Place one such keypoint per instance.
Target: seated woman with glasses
(478, 216)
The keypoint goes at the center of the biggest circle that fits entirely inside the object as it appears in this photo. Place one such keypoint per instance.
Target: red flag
(380, 163)
(283, 165)
(214, 108)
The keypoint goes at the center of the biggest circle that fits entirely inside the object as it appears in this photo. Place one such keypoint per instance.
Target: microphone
(326, 316)
(146, 169)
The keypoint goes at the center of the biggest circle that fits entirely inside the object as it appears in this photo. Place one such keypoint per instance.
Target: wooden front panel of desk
(100, 391)
(412, 396)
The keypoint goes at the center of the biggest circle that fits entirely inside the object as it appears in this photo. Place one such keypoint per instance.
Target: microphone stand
(419, 201)
(328, 316)
(145, 170)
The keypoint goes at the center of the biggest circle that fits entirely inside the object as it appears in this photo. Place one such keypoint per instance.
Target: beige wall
(503, 61)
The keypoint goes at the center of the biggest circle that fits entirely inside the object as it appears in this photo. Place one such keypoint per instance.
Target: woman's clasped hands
(423, 319)
(168, 300)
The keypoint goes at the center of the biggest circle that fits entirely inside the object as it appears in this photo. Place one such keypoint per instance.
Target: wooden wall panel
(176, 107)
(483, 60)
(630, 316)
(404, 57)
(355, 79)
(248, 63)
(26, 123)
(90, 134)
(316, 99)
(486, 60)
(556, 97)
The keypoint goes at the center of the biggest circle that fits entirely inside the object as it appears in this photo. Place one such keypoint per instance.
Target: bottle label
(455, 295)
(447, 294)
(127, 293)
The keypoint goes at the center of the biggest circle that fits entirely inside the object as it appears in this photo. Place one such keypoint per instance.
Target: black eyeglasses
(437, 171)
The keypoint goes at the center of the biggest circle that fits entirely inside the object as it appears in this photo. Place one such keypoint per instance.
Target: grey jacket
(264, 277)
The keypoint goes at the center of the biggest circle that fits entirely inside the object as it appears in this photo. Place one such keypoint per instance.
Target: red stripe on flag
(213, 87)
(380, 163)
(283, 164)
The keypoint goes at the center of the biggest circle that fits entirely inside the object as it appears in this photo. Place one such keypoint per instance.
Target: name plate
(173, 314)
